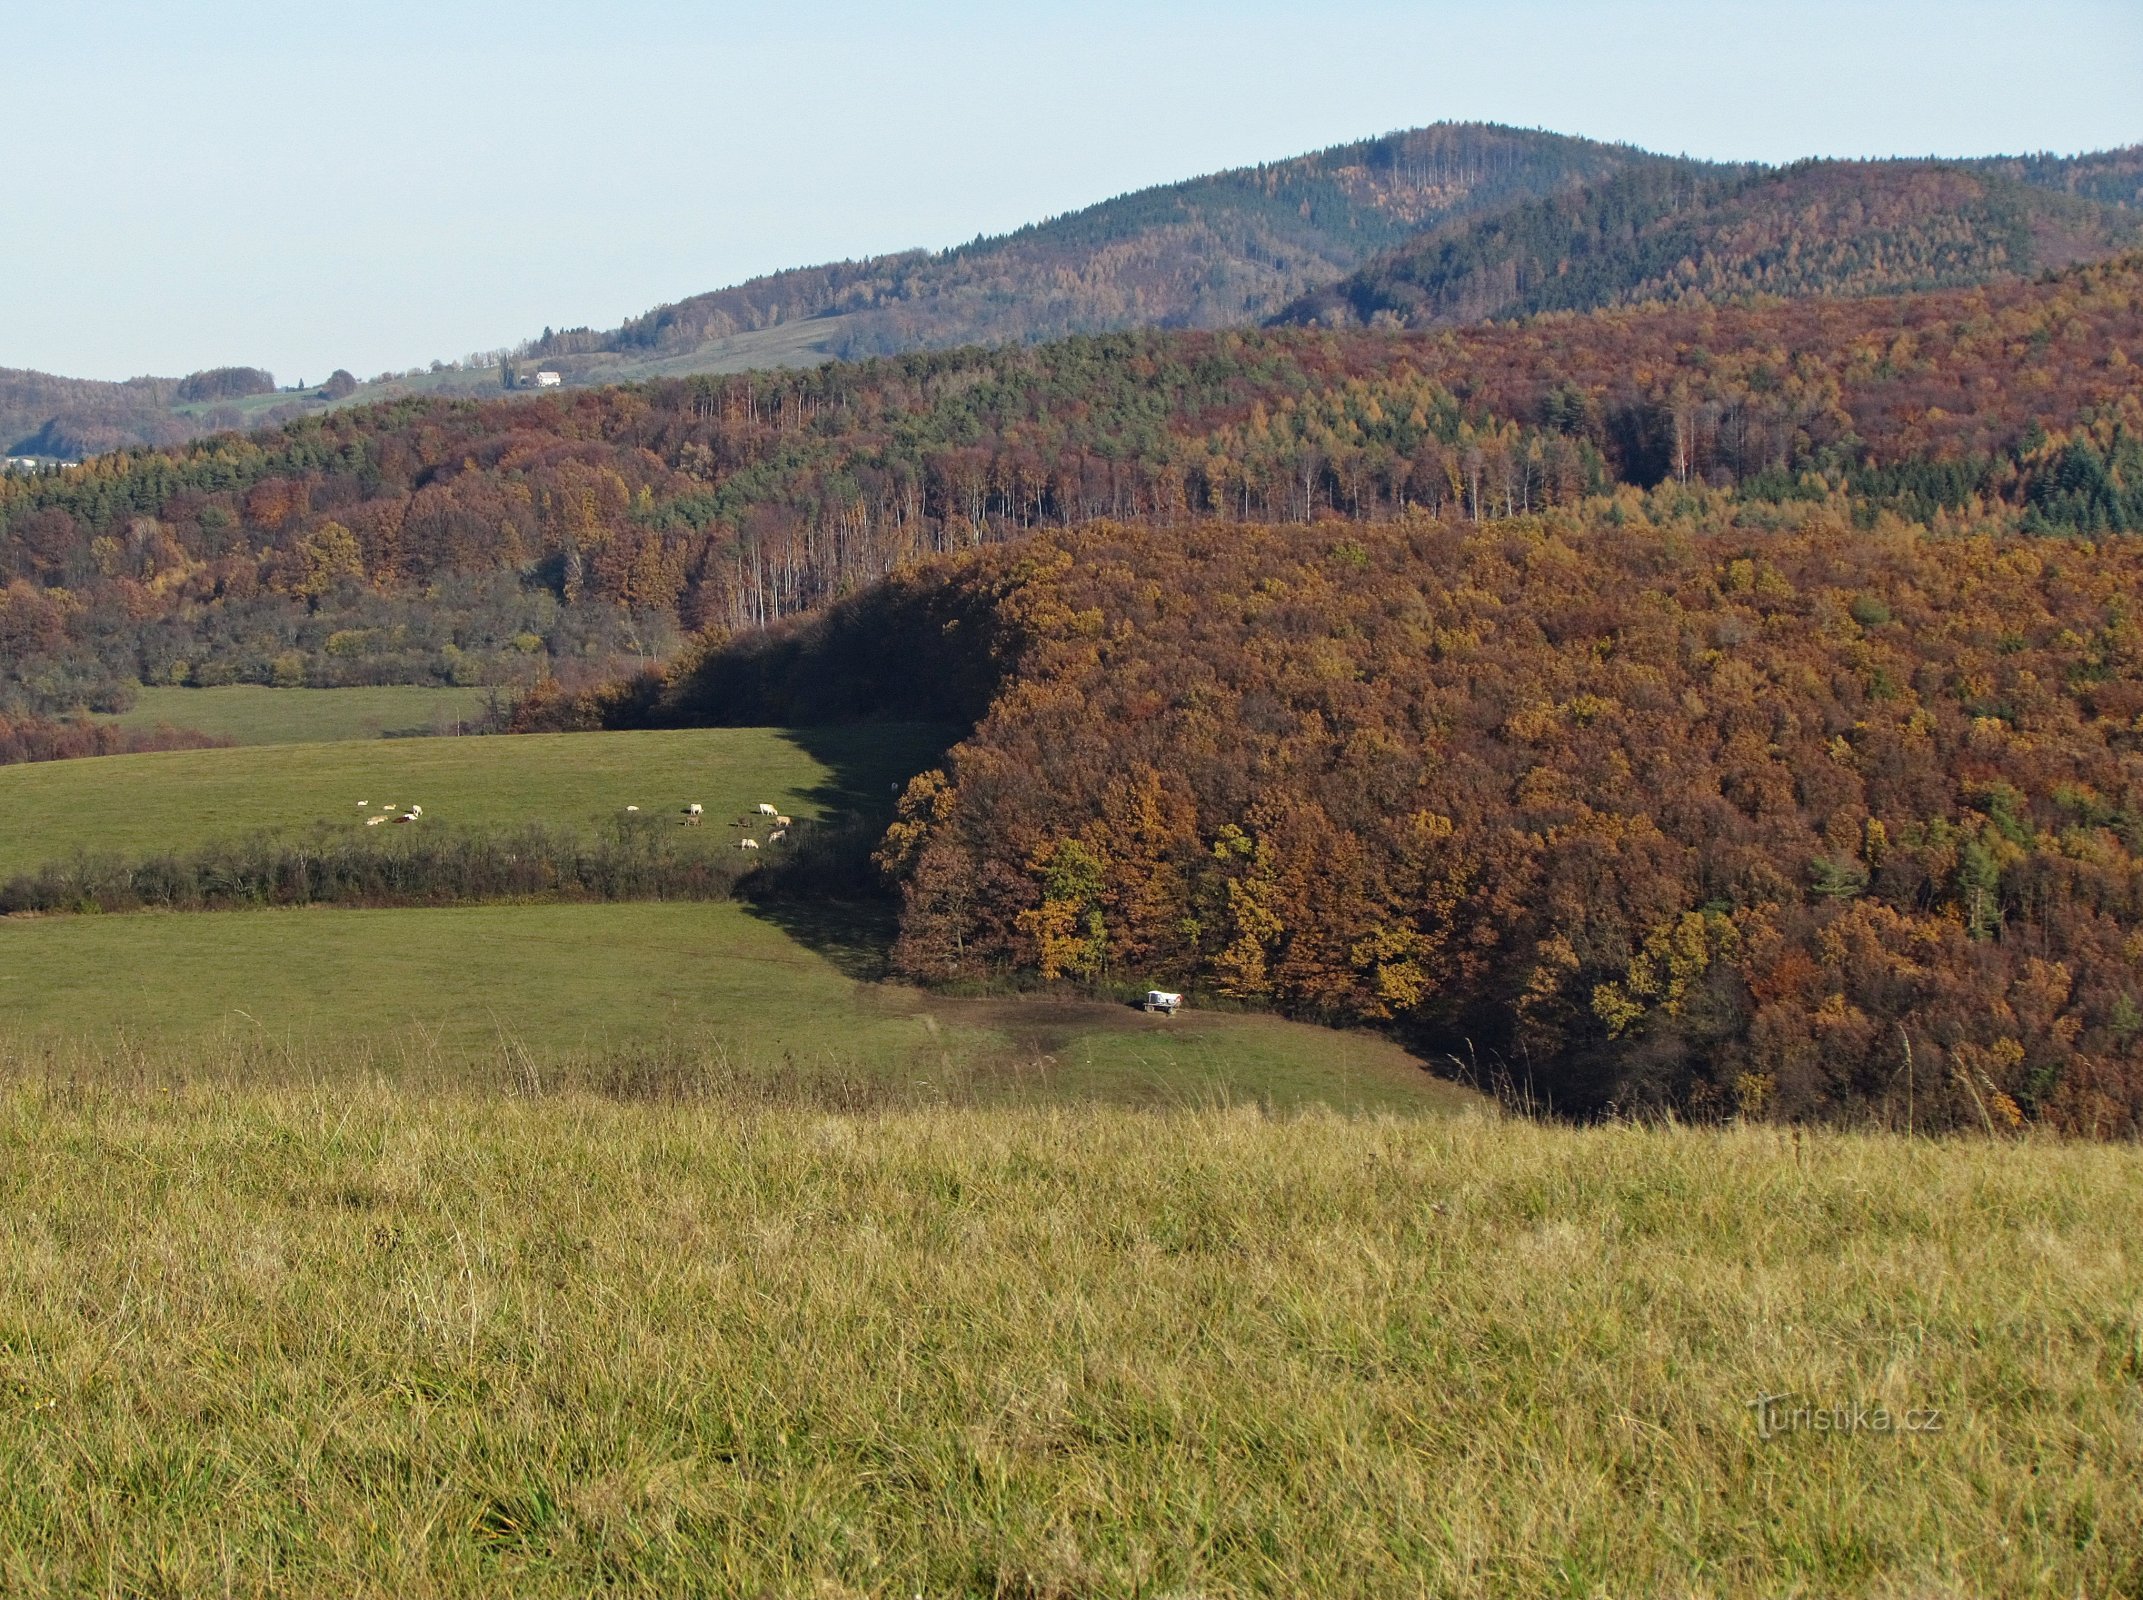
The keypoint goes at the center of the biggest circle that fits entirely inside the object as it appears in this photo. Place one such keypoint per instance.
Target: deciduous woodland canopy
(27, 738)
(1666, 800)
(1735, 709)
(444, 541)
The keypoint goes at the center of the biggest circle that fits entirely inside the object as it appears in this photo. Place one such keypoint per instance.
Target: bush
(426, 866)
(226, 383)
(25, 738)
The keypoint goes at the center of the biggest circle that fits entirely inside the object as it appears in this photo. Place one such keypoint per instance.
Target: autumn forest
(1724, 702)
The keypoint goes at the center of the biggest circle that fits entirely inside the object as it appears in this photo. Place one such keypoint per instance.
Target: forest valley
(1736, 711)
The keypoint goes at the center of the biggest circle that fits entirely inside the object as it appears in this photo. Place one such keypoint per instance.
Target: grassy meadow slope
(313, 1341)
(135, 805)
(655, 999)
(254, 713)
(675, 994)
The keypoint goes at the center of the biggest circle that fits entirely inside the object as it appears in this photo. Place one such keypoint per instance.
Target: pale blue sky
(306, 184)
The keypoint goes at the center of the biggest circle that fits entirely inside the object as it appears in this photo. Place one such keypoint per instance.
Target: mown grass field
(309, 1341)
(252, 713)
(132, 805)
(665, 997)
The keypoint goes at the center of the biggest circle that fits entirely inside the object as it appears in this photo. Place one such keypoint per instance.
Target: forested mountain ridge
(1661, 233)
(1220, 250)
(1208, 252)
(1230, 249)
(437, 540)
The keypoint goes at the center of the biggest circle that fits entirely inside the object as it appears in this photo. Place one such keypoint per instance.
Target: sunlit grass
(253, 713)
(131, 805)
(357, 1341)
(435, 996)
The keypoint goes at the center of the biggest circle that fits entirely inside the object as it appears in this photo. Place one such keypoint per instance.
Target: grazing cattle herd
(691, 816)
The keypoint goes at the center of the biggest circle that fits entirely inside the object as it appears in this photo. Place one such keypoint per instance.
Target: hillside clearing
(133, 805)
(306, 1340)
(253, 713)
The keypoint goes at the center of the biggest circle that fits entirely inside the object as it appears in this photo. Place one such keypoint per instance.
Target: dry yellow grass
(261, 1338)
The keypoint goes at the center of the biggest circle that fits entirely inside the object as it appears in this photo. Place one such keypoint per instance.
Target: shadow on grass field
(853, 936)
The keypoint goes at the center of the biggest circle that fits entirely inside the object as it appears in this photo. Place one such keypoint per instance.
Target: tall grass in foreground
(373, 1341)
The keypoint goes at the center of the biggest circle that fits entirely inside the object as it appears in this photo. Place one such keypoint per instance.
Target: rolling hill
(1210, 252)
(1444, 223)
(1219, 251)
(1225, 249)
(437, 541)
(1663, 233)
(68, 419)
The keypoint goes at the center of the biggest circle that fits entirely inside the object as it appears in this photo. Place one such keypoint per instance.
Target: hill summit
(1663, 232)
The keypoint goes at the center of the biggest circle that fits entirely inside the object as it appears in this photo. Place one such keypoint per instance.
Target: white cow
(765, 810)
(747, 844)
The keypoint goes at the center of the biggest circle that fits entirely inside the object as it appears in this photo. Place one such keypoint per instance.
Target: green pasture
(254, 713)
(688, 992)
(135, 805)
(692, 993)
